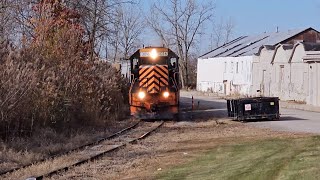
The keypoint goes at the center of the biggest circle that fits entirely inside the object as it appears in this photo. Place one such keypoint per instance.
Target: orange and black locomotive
(154, 87)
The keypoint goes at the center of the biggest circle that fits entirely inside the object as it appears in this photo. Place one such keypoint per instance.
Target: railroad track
(84, 154)
(72, 150)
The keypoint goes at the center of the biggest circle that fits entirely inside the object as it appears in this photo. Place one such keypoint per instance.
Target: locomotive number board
(148, 54)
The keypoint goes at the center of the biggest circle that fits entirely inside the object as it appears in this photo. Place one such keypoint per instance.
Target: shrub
(17, 84)
(52, 82)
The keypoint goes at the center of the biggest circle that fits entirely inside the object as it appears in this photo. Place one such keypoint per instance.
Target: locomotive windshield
(158, 61)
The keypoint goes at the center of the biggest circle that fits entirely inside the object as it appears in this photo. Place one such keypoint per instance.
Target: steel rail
(97, 156)
(73, 150)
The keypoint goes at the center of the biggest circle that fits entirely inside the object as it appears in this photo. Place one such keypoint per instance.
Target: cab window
(158, 61)
(135, 63)
(173, 63)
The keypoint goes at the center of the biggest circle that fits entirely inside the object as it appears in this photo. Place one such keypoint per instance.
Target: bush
(54, 81)
(16, 90)
(36, 91)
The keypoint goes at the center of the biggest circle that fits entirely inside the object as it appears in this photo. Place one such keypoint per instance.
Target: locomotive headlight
(153, 54)
(141, 95)
(166, 94)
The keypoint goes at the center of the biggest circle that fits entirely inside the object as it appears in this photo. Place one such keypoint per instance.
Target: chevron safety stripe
(153, 77)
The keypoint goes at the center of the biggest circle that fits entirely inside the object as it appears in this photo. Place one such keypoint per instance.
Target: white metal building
(229, 69)
(312, 58)
(290, 72)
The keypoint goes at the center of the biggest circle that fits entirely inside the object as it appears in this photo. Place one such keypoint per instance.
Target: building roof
(249, 45)
(311, 46)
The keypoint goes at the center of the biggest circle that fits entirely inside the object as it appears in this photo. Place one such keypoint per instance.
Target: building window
(231, 68)
(281, 77)
(237, 68)
(225, 67)
(241, 66)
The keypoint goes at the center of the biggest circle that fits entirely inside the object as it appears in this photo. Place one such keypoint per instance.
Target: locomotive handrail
(132, 78)
(174, 83)
(175, 80)
(132, 84)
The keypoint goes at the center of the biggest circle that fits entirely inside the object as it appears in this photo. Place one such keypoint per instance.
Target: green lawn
(297, 158)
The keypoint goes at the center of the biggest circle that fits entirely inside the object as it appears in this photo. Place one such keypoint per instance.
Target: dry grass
(53, 79)
(19, 151)
(52, 89)
(53, 94)
(40, 87)
(174, 144)
(47, 142)
(62, 161)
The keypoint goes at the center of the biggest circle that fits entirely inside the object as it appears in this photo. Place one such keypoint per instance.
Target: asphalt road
(291, 120)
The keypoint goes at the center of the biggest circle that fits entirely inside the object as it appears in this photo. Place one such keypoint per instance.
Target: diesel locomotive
(154, 84)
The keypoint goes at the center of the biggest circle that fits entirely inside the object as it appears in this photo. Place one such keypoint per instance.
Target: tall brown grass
(53, 80)
(58, 90)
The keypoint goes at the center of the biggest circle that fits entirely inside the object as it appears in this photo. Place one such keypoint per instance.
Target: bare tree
(6, 18)
(95, 18)
(178, 24)
(15, 18)
(131, 28)
(229, 28)
(114, 40)
(127, 30)
(50, 80)
(221, 32)
(216, 36)
(98, 17)
(3, 19)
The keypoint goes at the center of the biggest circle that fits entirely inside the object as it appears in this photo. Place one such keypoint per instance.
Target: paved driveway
(294, 121)
(291, 119)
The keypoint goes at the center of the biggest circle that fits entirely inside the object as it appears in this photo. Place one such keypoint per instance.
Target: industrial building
(282, 64)
(290, 72)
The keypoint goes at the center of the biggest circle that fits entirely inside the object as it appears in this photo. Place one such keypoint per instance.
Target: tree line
(50, 72)
(52, 55)
(116, 28)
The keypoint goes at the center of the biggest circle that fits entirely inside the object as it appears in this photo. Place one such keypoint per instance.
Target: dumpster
(253, 108)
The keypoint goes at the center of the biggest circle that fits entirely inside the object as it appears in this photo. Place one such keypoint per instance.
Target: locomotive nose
(153, 77)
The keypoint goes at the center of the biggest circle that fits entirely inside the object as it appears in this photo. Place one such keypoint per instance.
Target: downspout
(317, 82)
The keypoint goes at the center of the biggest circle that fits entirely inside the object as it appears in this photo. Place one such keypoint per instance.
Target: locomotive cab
(154, 87)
